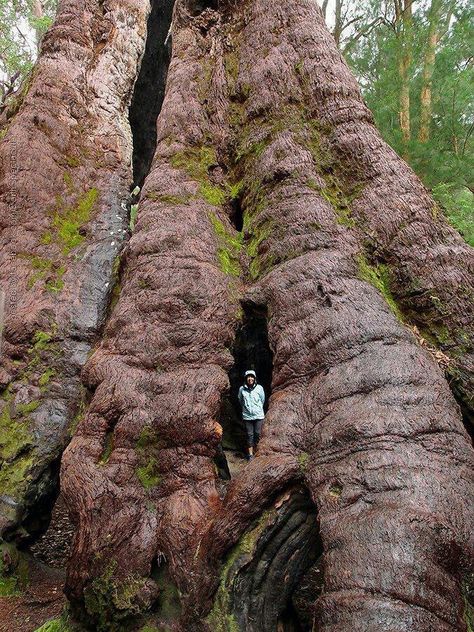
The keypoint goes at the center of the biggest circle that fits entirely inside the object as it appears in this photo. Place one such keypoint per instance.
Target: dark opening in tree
(251, 350)
(150, 86)
(198, 6)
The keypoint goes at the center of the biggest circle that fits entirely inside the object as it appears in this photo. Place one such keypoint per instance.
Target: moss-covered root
(13, 570)
(221, 617)
(111, 603)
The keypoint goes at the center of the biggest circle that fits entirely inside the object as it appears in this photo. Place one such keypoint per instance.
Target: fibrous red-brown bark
(364, 473)
(359, 413)
(65, 176)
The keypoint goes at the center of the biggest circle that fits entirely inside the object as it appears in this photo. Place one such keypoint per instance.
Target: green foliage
(8, 586)
(458, 206)
(56, 625)
(20, 38)
(446, 159)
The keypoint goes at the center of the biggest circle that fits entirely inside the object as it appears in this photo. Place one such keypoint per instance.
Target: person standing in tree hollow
(252, 398)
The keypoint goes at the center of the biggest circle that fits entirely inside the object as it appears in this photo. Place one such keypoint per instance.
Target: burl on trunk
(272, 199)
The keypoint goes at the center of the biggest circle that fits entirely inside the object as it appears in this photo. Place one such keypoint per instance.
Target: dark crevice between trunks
(149, 90)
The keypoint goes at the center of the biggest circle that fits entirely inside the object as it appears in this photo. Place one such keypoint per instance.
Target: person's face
(250, 380)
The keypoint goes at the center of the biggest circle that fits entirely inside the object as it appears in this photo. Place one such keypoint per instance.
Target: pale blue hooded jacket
(252, 401)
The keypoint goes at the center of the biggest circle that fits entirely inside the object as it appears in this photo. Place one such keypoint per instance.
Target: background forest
(414, 62)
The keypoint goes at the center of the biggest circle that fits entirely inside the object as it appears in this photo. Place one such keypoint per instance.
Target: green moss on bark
(229, 248)
(46, 270)
(379, 277)
(148, 473)
(221, 617)
(147, 448)
(111, 602)
(16, 446)
(14, 571)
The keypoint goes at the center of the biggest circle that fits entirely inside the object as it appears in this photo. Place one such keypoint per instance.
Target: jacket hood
(254, 375)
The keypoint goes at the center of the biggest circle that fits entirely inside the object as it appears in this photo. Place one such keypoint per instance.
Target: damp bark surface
(275, 227)
(259, 107)
(65, 173)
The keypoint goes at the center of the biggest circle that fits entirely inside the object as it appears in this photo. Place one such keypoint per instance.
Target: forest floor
(43, 598)
(235, 461)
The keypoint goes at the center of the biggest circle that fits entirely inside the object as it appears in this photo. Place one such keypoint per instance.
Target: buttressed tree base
(274, 220)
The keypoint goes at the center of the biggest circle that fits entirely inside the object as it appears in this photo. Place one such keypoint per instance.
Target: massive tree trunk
(276, 229)
(66, 161)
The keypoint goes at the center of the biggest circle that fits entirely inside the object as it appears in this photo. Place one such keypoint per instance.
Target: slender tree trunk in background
(428, 68)
(37, 9)
(404, 25)
(324, 8)
(338, 22)
(272, 210)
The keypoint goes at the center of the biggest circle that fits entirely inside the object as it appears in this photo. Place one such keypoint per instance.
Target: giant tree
(276, 228)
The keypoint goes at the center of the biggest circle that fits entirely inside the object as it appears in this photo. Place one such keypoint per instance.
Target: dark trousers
(254, 428)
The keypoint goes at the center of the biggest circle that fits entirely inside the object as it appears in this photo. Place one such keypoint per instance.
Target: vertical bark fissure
(149, 90)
